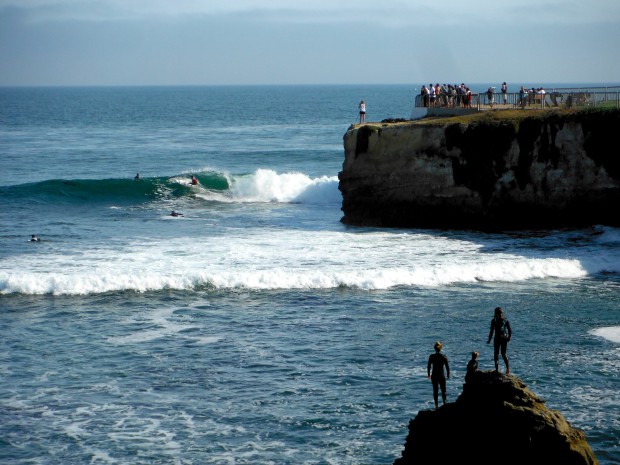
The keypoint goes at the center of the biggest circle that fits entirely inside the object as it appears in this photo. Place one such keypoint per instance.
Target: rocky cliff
(496, 420)
(493, 170)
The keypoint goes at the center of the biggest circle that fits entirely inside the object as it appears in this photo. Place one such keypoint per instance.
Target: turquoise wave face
(128, 191)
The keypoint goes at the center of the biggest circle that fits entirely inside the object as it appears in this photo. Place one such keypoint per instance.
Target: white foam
(183, 180)
(74, 431)
(215, 196)
(268, 186)
(276, 259)
(164, 326)
(99, 456)
(610, 333)
(206, 340)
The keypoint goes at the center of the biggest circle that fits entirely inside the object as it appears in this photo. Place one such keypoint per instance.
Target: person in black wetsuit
(437, 361)
(503, 332)
(472, 366)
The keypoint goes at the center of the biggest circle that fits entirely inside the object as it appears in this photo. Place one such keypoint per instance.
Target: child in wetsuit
(472, 366)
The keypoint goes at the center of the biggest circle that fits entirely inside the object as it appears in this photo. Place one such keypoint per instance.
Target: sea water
(257, 328)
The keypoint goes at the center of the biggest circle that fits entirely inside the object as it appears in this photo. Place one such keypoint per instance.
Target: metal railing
(555, 98)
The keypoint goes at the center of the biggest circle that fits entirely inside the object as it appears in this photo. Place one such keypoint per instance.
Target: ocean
(257, 328)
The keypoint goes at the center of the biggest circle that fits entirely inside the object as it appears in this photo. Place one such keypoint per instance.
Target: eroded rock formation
(496, 420)
(549, 169)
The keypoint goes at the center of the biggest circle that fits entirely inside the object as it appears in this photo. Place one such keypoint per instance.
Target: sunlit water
(257, 328)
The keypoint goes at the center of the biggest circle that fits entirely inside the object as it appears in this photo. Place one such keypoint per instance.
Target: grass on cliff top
(514, 116)
(488, 116)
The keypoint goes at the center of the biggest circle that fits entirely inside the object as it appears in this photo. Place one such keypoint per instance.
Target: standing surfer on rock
(437, 361)
(503, 332)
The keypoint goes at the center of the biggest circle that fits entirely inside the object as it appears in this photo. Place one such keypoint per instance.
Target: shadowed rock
(496, 420)
(491, 172)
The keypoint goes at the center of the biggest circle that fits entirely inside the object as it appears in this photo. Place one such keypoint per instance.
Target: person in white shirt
(362, 108)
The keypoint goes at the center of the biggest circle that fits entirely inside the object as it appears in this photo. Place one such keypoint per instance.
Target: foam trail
(610, 333)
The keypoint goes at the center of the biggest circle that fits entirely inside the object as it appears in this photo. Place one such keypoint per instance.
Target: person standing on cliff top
(437, 361)
(490, 97)
(425, 96)
(503, 332)
(362, 108)
(522, 95)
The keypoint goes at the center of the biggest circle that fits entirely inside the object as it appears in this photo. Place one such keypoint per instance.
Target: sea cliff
(493, 170)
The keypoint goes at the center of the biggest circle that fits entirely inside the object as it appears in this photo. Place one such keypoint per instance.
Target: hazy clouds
(401, 12)
(117, 42)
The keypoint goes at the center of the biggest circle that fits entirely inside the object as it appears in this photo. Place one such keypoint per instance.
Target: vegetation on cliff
(515, 116)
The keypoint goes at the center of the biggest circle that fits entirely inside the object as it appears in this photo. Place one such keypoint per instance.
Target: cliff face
(488, 172)
(496, 420)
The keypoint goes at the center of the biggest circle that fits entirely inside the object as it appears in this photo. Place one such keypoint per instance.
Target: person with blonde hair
(437, 362)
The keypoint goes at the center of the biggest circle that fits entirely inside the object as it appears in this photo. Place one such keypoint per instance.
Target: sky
(219, 42)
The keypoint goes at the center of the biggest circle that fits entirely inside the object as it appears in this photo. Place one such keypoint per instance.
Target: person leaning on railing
(522, 96)
(425, 96)
(490, 96)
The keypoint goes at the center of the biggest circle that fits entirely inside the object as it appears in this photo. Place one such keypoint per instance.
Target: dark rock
(496, 420)
(492, 173)
(394, 120)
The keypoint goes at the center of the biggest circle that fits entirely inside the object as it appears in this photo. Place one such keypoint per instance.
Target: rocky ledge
(494, 170)
(496, 420)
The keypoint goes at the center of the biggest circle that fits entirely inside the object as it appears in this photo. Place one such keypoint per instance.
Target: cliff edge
(496, 419)
(494, 170)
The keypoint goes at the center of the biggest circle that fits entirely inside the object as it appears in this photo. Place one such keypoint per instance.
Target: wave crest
(326, 276)
(261, 186)
(268, 186)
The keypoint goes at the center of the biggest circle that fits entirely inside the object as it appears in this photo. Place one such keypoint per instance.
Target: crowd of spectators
(446, 95)
(530, 96)
(451, 96)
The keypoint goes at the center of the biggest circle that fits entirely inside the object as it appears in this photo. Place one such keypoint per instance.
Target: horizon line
(32, 86)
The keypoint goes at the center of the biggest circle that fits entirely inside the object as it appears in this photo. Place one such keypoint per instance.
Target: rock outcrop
(499, 170)
(496, 420)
